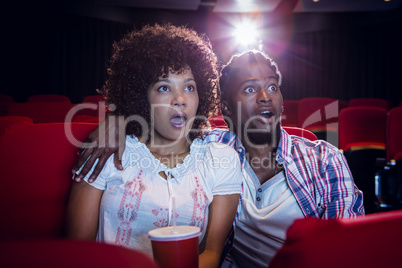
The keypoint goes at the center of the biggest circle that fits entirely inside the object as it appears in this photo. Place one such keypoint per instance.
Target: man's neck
(261, 159)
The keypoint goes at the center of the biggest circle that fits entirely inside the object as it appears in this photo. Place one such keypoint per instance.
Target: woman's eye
(163, 89)
(190, 88)
(249, 90)
(272, 88)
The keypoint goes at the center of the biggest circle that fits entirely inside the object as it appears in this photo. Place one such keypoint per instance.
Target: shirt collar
(283, 153)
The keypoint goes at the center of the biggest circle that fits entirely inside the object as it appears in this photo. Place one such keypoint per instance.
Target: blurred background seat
(368, 241)
(41, 112)
(36, 167)
(300, 132)
(70, 253)
(389, 179)
(376, 102)
(5, 101)
(6, 122)
(320, 116)
(362, 139)
(48, 98)
(290, 113)
(93, 105)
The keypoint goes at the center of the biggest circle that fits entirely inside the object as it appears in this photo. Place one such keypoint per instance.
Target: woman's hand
(107, 139)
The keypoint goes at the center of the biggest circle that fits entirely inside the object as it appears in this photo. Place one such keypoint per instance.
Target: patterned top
(316, 172)
(137, 199)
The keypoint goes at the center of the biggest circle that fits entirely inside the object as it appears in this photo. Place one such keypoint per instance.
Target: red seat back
(36, 167)
(41, 112)
(289, 115)
(367, 241)
(394, 133)
(300, 132)
(372, 102)
(4, 98)
(362, 127)
(69, 254)
(7, 122)
(318, 113)
(48, 98)
(94, 105)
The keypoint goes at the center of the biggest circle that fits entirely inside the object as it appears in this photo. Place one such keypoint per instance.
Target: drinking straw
(173, 211)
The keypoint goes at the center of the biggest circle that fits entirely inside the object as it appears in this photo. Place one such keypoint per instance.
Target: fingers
(83, 156)
(98, 168)
(117, 162)
(86, 168)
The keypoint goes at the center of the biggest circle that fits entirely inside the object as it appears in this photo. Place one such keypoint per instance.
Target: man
(284, 177)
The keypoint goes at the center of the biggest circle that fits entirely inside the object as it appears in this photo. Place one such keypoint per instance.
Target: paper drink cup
(175, 246)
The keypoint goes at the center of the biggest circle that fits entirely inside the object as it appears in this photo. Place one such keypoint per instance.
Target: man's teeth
(266, 114)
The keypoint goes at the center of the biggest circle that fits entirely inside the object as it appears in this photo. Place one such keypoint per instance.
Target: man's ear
(225, 109)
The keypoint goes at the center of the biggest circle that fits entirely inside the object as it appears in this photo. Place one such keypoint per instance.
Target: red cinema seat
(94, 98)
(6, 122)
(69, 254)
(289, 115)
(36, 167)
(93, 105)
(343, 104)
(217, 121)
(362, 128)
(362, 138)
(320, 116)
(5, 101)
(48, 98)
(371, 102)
(4, 98)
(300, 132)
(41, 112)
(394, 134)
(367, 241)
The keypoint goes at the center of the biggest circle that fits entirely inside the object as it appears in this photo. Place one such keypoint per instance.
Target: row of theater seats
(50, 108)
(36, 159)
(370, 140)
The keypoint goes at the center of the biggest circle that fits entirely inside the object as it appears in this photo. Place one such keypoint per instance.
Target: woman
(162, 79)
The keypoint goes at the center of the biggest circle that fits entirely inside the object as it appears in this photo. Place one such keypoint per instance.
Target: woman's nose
(179, 99)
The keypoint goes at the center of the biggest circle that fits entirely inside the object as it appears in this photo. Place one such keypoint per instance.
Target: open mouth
(267, 114)
(178, 120)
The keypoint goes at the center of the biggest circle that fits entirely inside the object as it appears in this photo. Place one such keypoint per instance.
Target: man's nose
(264, 96)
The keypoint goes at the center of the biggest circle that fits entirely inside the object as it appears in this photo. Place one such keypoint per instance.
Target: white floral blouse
(137, 199)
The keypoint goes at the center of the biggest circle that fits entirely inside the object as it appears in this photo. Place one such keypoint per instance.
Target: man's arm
(108, 138)
(347, 199)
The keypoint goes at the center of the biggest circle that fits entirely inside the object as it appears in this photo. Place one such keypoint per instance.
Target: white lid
(174, 233)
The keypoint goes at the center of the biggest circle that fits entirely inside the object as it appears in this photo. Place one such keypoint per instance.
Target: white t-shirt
(137, 199)
(267, 211)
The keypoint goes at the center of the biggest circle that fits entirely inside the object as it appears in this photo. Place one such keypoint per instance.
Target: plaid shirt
(316, 172)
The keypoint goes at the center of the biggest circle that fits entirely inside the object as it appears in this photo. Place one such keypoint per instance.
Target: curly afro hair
(142, 56)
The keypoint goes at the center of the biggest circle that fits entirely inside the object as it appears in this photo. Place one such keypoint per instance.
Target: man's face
(254, 101)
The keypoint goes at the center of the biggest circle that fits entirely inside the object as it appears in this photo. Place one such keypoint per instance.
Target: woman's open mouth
(178, 120)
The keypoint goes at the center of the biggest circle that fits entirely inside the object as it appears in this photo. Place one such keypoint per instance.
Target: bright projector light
(246, 34)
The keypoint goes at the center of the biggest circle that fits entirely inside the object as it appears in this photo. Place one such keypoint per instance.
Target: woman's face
(174, 103)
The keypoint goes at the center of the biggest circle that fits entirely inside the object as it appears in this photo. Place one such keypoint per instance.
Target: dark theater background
(338, 49)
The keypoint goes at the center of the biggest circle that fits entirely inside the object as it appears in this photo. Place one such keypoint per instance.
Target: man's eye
(163, 89)
(272, 88)
(190, 88)
(249, 90)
